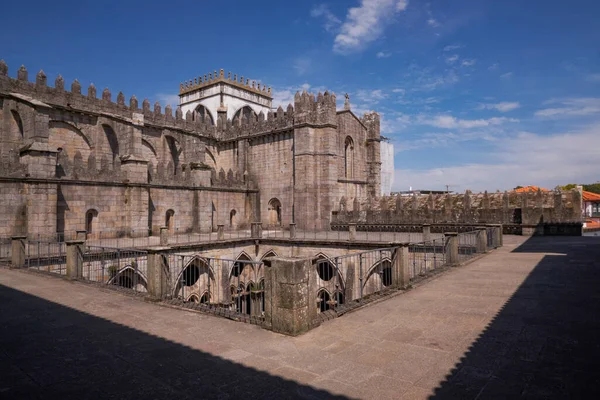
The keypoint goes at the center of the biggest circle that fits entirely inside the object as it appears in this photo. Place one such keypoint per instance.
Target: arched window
(90, 219)
(349, 158)
(274, 212)
(245, 111)
(204, 115)
(111, 141)
(324, 300)
(233, 218)
(170, 220)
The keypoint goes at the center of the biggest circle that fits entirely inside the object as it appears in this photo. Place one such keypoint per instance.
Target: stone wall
(65, 152)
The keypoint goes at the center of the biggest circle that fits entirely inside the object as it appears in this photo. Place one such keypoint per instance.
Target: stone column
(401, 266)
(497, 234)
(426, 233)
(351, 231)
(290, 288)
(292, 231)
(157, 273)
(481, 237)
(220, 232)
(451, 239)
(256, 230)
(75, 259)
(164, 235)
(18, 251)
(81, 235)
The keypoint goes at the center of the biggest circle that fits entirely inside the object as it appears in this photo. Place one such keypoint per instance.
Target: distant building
(591, 204)
(420, 192)
(387, 166)
(528, 189)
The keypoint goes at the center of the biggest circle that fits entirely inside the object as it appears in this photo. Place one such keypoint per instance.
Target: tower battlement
(213, 78)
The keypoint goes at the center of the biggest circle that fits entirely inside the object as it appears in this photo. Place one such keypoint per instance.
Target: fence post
(292, 231)
(164, 235)
(451, 239)
(481, 236)
(498, 234)
(426, 233)
(75, 259)
(18, 251)
(401, 266)
(157, 273)
(256, 230)
(351, 231)
(290, 294)
(220, 232)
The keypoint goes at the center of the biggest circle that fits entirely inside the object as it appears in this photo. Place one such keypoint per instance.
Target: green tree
(518, 187)
(592, 187)
(570, 186)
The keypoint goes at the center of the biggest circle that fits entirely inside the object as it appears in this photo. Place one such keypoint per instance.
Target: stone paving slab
(521, 322)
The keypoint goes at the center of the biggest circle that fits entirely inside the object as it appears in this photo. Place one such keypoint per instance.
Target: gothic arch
(246, 111)
(378, 276)
(55, 124)
(349, 158)
(126, 277)
(274, 212)
(328, 272)
(112, 141)
(269, 253)
(172, 151)
(209, 159)
(197, 276)
(204, 113)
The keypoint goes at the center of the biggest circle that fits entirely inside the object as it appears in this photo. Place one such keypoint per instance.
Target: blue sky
(475, 94)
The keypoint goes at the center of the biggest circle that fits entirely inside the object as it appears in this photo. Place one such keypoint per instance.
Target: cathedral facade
(83, 160)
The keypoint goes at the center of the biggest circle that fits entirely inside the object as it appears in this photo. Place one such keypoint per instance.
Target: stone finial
(76, 87)
(253, 84)
(146, 106)
(133, 103)
(248, 82)
(92, 91)
(40, 78)
(229, 76)
(297, 97)
(205, 78)
(188, 116)
(121, 99)
(3, 68)
(59, 83)
(279, 112)
(269, 92)
(157, 108)
(22, 74)
(235, 77)
(221, 73)
(215, 74)
(178, 114)
(290, 110)
(320, 97)
(168, 111)
(106, 96)
(261, 116)
(242, 79)
(210, 76)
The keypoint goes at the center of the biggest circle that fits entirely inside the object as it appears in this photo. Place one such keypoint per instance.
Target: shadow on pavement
(49, 351)
(544, 342)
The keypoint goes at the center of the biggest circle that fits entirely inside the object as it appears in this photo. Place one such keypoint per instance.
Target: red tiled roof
(589, 196)
(530, 189)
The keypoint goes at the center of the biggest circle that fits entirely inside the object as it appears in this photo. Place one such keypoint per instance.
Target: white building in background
(387, 166)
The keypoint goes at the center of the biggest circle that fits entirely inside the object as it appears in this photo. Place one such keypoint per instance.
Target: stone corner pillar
(289, 291)
(498, 233)
(481, 238)
(292, 230)
(401, 266)
(426, 232)
(451, 239)
(256, 230)
(351, 231)
(134, 169)
(220, 232)
(164, 235)
(200, 174)
(18, 251)
(40, 159)
(157, 272)
(81, 235)
(75, 259)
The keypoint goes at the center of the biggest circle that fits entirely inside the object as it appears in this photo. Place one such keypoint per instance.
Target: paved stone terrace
(520, 322)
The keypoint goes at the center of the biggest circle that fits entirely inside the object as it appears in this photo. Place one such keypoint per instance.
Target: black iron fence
(125, 268)
(46, 255)
(426, 257)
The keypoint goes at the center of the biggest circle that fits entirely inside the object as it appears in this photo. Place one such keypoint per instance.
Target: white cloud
(433, 22)
(399, 90)
(452, 59)
(507, 75)
(382, 54)
(493, 67)
(570, 108)
(451, 47)
(524, 159)
(450, 122)
(468, 63)
(165, 99)
(283, 97)
(322, 11)
(370, 96)
(593, 77)
(301, 65)
(504, 106)
(428, 83)
(365, 23)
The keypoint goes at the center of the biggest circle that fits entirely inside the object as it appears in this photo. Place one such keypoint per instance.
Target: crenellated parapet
(315, 110)
(213, 78)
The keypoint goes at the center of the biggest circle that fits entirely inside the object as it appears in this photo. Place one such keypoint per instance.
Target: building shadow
(49, 351)
(545, 341)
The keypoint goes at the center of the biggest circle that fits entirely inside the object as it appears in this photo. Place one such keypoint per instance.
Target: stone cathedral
(82, 160)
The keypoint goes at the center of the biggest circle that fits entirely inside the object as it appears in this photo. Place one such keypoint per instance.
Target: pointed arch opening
(203, 115)
(274, 212)
(245, 111)
(349, 158)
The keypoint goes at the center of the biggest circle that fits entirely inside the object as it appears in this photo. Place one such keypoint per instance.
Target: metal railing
(217, 283)
(126, 268)
(5, 249)
(467, 245)
(426, 257)
(46, 255)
